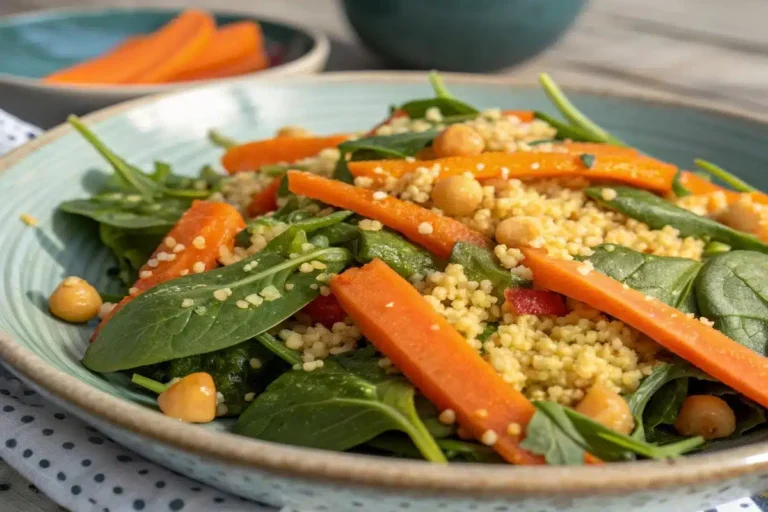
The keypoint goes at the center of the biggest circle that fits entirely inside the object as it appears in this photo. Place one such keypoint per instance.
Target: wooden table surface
(704, 49)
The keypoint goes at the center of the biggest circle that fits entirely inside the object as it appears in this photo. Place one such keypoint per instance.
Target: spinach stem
(438, 85)
(147, 383)
(727, 177)
(573, 114)
(219, 139)
(566, 131)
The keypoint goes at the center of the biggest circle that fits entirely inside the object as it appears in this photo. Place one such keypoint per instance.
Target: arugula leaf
(401, 145)
(480, 264)
(668, 279)
(155, 327)
(562, 435)
(405, 258)
(346, 403)
(657, 213)
(129, 211)
(732, 290)
(130, 175)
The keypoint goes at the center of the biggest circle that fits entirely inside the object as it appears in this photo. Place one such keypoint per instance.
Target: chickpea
(75, 301)
(457, 195)
(517, 231)
(191, 399)
(706, 416)
(608, 408)
(458, 140)
(293, 131)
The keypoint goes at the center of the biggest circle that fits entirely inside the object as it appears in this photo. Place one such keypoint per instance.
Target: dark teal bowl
(460, 35)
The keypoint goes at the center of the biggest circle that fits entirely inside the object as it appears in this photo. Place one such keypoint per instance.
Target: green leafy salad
(455, 285)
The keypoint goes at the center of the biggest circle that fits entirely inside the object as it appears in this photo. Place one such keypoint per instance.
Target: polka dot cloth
(14, 132)
(82, 470)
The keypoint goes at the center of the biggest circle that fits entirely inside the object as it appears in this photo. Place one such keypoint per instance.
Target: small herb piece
(657, 213)
(665, 278)
(219, 139)
(588, 160)
(573, 114)
(405, 258)
(730, 179)
(489, 331)
(154, 327)
(480, 264)
(732, 291)
(347, 402)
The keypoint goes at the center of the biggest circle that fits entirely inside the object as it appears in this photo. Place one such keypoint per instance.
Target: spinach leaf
(417, 109)
(562, 435)
(278, 348)
(749, 415)
(405, 258)
(130, 175)
(339, 234)
(657, 213)
(346, 403)
(156, 327)
(668, 279)
(663, 373)
(664, 406)
(283, 242)
(129, 211)
(233, 372)
(341, 171)
(732, 291)
(401, 145)
(480, 264)
(131, 248)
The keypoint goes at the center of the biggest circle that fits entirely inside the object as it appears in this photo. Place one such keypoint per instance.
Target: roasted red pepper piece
(535, 302)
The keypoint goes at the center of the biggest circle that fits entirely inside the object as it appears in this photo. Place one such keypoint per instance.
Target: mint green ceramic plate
(46, 352)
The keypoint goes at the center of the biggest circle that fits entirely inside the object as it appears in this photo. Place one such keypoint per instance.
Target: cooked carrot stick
(264, 201)
(103, 69)
(598, 148)
(231, 48)
(251, 156)
(394, 316)
(436, 233)
(152, 59)
(248, 64)
(525, 116)
(697, 185)
(192, 246)
(733, 364)
(641, 172)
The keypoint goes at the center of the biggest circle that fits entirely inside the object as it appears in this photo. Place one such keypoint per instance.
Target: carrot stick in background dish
(232, 47)
(641, 172)
(394, 316)
(733, 364)
(264, 201)
(192, 246)
(150, 59)
(436, 233)
(251, 156)
(103, 69)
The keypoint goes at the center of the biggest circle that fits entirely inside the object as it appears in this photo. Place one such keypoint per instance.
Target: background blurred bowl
(460, 35)
(34, 45)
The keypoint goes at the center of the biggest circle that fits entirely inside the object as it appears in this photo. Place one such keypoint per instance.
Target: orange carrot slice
(103, 69)
(598, 148)
(151, 59)
(394, 316)
(436, 233)
(733, 364)
(251, 156)
(641, 172)
(232, 47)
(192, 246)
(264, 201)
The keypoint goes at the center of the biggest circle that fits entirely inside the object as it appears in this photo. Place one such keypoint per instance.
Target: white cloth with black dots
(60, 442)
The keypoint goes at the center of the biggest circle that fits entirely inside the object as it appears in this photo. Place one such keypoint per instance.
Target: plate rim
(363, 470)
(312, 61)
